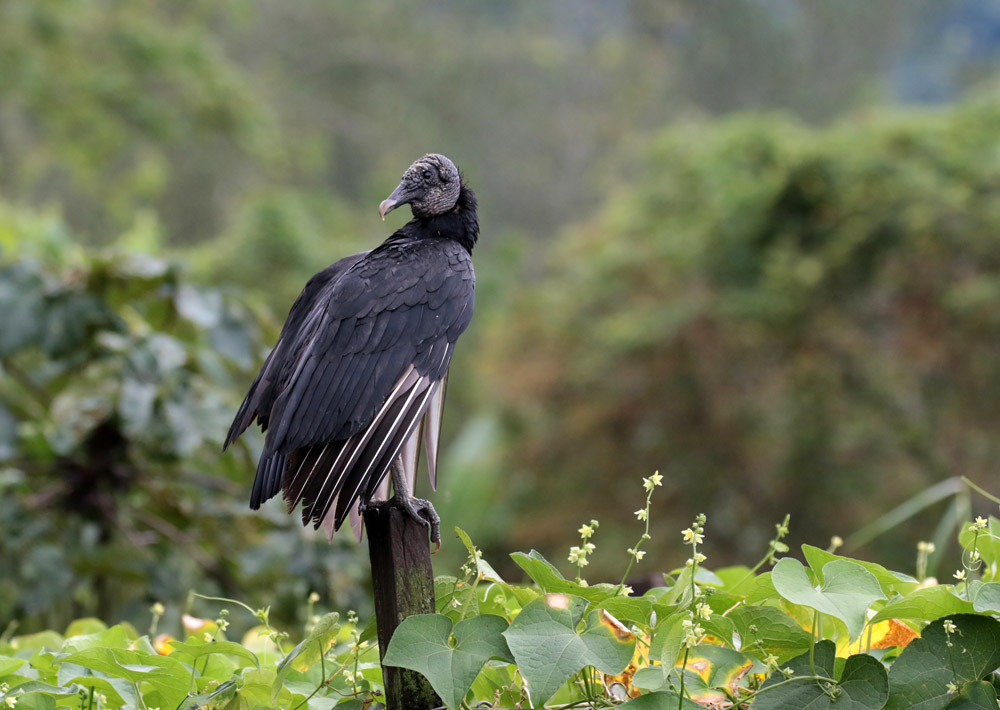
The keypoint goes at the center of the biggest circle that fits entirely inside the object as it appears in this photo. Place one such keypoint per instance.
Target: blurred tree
(779, 319)
(109, 106)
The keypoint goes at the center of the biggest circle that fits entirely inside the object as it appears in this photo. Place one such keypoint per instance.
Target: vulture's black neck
(460, 223)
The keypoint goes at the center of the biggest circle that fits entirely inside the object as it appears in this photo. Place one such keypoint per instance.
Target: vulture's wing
(366, 362)
(275, 372)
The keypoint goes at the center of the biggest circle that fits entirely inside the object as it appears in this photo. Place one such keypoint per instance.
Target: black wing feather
(331, 395)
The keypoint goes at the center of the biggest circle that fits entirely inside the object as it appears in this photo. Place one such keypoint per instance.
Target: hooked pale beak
(400, 196)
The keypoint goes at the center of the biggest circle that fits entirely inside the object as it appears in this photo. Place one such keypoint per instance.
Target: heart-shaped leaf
(862, 686)
(423, 643)
(929, 670)
(848, 590)
(549, 648)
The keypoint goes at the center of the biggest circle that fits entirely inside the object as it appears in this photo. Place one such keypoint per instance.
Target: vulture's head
(430, 186)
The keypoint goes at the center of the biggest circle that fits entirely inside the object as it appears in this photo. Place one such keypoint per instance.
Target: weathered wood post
(403, 583)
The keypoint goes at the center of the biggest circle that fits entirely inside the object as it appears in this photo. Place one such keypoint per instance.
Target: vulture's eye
(427, 175)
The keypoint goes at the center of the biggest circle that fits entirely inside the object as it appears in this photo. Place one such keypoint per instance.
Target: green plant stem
(322, 662)
(643, 538)
(680, 700)
(231, 601)
(771, 549)
(796, 679)
(812, 646)
(980, 491)
(323, 682)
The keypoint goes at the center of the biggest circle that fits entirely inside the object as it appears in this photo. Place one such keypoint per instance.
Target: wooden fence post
(403, 582)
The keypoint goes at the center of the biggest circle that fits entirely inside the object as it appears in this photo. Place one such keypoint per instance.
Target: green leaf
(768, 630)
(977, 695)
(43, 639)
(37, 686)
(34, 701)
(720, 626)
(8, 665)
(230, 648)
(862, 686)
(115, 637)
(88, 625)
(661, 700)
(634, 609)
(423, 643)
(925, 604)
(650, 679)
(847, 592)
(310, 649)
(118, 691)
(680, 593)
(667, 640)
(919, 677)
(712, 673)
(261, 689)
(760, 589)
(890, 581)
(549, 648)
(865, 682)
(987, 599)
(987, 543)
(165, 674)
(546, 576)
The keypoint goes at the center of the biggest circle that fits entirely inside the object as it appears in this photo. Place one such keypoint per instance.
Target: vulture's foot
(423, 512)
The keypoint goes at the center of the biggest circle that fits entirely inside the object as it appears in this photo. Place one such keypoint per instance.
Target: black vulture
(357, 377)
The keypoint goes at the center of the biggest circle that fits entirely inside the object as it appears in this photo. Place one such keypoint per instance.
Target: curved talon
(423, 512)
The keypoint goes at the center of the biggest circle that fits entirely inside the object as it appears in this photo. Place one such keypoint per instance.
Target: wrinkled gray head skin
(430, 186)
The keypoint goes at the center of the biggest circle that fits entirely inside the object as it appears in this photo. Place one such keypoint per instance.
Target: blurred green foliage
(116, 385)
(780, 319)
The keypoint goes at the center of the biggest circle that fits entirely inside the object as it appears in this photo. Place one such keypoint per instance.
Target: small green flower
(959, 575)
(692, 536)
(642, 514)
(949, 626)
(650, 483)
(585, 531)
